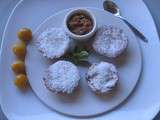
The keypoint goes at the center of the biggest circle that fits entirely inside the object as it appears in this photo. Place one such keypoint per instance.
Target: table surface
(153, 6)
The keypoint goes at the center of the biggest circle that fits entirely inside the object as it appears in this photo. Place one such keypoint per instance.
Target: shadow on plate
(111, 93)
(70, 98)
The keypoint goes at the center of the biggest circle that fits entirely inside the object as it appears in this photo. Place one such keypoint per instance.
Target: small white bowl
(80, 37)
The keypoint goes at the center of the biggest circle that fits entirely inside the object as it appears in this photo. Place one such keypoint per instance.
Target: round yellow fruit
(25, 34)
(21, 81)
(19, 49)
(18, 67)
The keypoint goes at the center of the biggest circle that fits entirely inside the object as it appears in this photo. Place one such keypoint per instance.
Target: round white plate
(142, 105)
(84, 102)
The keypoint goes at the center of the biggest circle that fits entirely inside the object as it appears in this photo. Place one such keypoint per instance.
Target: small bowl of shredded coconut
(62, 77)
(53, 43)
(102, 77)
(110, 41)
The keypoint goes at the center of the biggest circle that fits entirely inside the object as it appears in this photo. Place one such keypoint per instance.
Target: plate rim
(158, 111)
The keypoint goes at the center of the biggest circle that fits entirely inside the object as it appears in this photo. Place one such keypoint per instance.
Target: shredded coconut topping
(62, 77)
(102, 77)
(110, 41)
(53, 42)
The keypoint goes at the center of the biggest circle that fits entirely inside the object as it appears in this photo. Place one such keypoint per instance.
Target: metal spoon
(110, 6)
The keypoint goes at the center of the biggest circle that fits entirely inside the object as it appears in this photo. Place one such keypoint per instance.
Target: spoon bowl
(111, 7)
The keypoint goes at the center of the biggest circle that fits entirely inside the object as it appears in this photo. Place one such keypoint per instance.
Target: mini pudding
(62, 77)
(110, 41)
(53, 43)
(102, 77)
(80, 24)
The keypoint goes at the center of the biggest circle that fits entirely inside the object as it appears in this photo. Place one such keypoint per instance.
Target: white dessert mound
(53, 43)
(110, 41)
(62, 77)
(102, 77)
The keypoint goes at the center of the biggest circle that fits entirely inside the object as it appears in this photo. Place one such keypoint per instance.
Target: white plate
(84, 102)
(142, 105)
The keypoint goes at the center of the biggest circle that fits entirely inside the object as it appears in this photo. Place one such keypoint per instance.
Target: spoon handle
(137, 32)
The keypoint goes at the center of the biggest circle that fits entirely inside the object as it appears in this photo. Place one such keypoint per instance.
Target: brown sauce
(80, 24)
